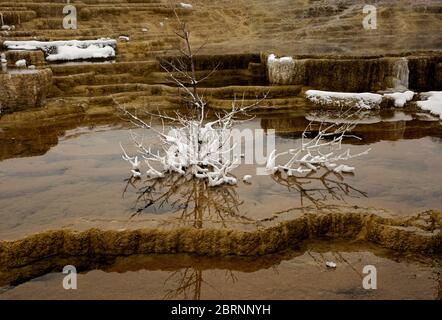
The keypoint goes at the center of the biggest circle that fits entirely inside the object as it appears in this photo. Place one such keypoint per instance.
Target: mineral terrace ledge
(399, 235)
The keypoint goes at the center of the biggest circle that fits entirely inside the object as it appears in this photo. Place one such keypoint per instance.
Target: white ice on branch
(202, 150)
(363, 100)
(324, 150)
(433, 102)
(195, 145)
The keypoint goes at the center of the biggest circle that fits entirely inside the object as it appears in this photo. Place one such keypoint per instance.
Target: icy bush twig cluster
(323, 150)
(194, 146)
(203, 150)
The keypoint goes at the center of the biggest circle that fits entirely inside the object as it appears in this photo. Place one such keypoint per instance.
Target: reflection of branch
(189, 279)
(319, 189)
(192, 198)
(189, 284)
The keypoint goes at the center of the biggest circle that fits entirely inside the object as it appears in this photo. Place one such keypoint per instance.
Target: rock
(247, 178)
(34, 57)
(24, 89)
(358, 74)
(20, 63)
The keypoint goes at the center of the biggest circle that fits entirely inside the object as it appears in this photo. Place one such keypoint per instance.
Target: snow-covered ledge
(65, 50)
(365, 100)
(432, 102)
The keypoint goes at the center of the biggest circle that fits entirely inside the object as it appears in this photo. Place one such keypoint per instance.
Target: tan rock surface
(23, 89)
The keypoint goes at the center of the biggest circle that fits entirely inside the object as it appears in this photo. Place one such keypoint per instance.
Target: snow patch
(186, 5)
(68, 49)
(65, 53)
(20, 63)
(7, 28)
(364, 100)
(247, 178)
(400, 98)
(433, 102)
(50, 46)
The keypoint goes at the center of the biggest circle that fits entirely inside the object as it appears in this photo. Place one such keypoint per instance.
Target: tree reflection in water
(195, 202)
(187, 284)
(319, 188)
(192, 199)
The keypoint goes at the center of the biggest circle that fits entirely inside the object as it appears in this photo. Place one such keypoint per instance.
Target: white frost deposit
(433, 102)
(344, 169)
(186, 5)
(400, 98)
(247, 178)
(20, 63)
(47, 45)
(66, 53)
(364, 100)
(280, 70)
(63, 50)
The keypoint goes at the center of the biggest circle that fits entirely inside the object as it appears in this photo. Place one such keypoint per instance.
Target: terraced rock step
(404, 236)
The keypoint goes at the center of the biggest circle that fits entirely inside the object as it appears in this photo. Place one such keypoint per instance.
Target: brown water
(82, 181)
(295, 274)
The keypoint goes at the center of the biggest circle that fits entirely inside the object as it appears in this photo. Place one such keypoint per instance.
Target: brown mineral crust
(388, 233)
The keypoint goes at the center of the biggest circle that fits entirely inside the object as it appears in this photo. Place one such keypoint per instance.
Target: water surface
(82, 181)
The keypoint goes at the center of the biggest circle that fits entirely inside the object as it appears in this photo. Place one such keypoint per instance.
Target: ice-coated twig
(193, 145)
(322, 150)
